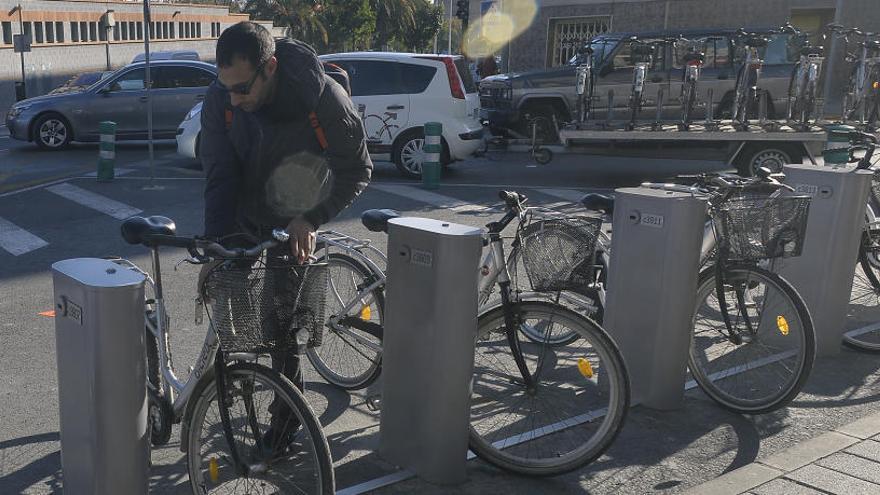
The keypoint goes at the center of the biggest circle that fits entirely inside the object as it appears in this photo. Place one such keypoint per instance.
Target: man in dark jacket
(266, 167)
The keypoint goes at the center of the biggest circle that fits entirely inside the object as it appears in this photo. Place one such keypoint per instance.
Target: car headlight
(17, 110)
(193, 113)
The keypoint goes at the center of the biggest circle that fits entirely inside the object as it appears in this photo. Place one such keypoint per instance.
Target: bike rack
(823, 273)
(652, 283)
(99, 334)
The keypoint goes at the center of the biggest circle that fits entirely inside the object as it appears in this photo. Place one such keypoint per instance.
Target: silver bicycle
(538, 406)
(260, 435)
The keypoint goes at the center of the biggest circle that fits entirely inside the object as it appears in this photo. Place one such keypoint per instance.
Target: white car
(188, 133)
(396, 94)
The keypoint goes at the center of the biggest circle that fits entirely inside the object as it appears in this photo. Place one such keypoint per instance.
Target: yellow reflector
(876, 84)
(782, 325)
(585, 368)
(366, 314)
(213, 470)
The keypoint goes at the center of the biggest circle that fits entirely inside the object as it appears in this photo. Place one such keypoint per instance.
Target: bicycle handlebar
(202, 250)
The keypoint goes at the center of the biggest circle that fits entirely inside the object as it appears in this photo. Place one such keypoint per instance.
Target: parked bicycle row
(550, 389)
(861, 96)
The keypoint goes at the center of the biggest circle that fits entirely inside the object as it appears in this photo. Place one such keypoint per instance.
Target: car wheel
(408, 153)
(52, 132)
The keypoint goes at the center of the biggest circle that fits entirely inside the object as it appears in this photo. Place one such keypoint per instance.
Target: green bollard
(433, 148)
(836, 152)
(106, 151)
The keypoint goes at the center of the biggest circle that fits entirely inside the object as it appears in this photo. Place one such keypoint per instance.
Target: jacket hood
(300, 68)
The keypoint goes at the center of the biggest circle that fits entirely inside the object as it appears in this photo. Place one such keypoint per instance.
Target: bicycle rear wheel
(350, 355)
(301, 464)
(864, 304)
(773, 361)
(576, 409)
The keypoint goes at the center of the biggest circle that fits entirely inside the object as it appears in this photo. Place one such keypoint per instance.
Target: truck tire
(772, 155)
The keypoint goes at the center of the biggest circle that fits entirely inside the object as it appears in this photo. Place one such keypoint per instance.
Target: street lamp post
(21, 48)
(108, 22)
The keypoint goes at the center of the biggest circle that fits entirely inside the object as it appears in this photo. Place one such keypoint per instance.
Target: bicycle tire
(159, 413)
(864, 297)
(280, 387)
(359, 366)
(796, 316)
(611, 382)
(809, 102)
(740, 94)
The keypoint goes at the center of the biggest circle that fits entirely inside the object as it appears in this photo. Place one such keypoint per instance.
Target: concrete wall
(49, 65)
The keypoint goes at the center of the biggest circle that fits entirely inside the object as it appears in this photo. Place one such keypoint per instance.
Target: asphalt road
(657, 452)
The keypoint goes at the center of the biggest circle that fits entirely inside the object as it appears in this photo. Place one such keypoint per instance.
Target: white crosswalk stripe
(16, 240)
(431, 198)
(94, 201)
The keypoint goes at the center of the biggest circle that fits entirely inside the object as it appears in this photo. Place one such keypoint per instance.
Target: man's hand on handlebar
(302, 239)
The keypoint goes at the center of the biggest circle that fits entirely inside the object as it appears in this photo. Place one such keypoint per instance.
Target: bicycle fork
(511, 326)
(732, 334)
(223, 404)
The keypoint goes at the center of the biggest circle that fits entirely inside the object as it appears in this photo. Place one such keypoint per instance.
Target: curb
(796, 457)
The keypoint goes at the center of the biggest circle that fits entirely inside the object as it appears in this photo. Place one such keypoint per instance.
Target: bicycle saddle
(694, 57)
(599, 202)
(813, 50)
(377, 220)
(135, 228)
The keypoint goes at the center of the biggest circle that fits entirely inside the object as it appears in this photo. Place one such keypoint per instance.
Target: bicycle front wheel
(276, 434)
(864, 304)
(571, 415)
(767, 360)
(350, 354)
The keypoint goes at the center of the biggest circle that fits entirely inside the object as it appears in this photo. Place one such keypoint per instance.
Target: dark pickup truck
(510, 101)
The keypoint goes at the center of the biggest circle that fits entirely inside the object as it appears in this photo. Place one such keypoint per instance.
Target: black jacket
(265, 168)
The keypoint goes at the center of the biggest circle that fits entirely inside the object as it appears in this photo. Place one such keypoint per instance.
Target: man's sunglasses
(244, 89)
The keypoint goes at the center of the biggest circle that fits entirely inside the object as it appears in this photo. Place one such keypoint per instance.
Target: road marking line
(572, 195)
(16, 240)
(95, 201)
(431, 198)
(117, 172)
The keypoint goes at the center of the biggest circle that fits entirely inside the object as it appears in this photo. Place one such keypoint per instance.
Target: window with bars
(7, 33)
(567, 34)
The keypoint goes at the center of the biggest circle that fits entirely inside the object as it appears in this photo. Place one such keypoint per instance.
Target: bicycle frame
(741, 105)
(584, 88)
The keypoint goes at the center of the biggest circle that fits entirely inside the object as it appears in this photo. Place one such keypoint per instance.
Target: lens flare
(498, 26)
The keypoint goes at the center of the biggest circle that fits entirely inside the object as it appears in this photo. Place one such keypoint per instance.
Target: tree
(392, 17)
(427, 20)
(301, 18)
(350, 24)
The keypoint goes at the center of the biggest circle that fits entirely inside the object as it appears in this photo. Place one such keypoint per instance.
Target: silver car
(53, 121)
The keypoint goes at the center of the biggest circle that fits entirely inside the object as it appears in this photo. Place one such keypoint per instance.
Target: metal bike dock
(99, 329)
(428, 346)
(823, 273)
(652, 283)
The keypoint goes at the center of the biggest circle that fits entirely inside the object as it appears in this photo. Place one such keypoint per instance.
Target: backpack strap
(319, 131)
(228, 116)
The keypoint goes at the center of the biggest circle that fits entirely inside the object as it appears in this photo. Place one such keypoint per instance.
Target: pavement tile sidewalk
(845, 461)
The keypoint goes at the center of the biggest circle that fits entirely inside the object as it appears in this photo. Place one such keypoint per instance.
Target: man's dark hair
(247, 40)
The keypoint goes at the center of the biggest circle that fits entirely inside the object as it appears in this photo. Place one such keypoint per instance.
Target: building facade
(69, 37)
(559, 25)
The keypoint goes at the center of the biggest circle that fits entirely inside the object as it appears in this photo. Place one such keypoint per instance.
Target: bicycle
(529, 436)
(861, 100)
(643, 54)
(585, 83)
(865, 293)
(746, 88)
(740, 304)
(694, 58)
(228, 443)
(804, 82)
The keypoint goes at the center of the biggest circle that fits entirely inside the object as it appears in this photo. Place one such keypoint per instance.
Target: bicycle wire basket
(263, 306)
(558, 251)
(752, 225)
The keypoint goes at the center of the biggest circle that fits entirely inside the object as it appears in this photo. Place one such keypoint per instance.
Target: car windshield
(600, 48)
